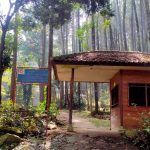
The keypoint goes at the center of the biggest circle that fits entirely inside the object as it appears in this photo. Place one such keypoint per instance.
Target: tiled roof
(105, 58)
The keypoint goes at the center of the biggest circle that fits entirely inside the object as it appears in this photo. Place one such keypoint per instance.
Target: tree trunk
(66, 94)
(91, 98)
(71, 100)
(1, 74)
(66, 42)
(93, 33)
(61, 94)
(62, 41)
(132, 28)
(14, 67)
(141, 22)
(79, 94)
(2, 48)
(43, 58)
(112, 45)
(119, 25)
(124, 25)
(50, 63)
(148, 19)
(27, 93)
(78, 25)
(97, 33)
(87, 95)
(96, 97)
(93, 48)
(137, 26)
(105, 39)
(73, 33)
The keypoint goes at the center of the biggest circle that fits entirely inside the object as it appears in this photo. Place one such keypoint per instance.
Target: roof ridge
(108, 51)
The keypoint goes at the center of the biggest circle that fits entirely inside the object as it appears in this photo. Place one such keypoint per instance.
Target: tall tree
(137, 26)
(43, 62)
(14, 69)
(147, 7)
(54, 13)
(14, 6)
(124, 25)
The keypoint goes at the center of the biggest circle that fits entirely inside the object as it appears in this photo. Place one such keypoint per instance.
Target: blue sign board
(32, 76)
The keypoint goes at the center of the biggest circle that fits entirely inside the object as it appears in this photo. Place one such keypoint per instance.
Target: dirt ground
(85, 137)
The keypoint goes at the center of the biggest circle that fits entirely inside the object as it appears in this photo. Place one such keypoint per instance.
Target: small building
(127, 72)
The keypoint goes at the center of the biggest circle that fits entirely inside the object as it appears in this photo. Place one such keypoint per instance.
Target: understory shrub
(53, 110)
(17, 120)
(141, 136)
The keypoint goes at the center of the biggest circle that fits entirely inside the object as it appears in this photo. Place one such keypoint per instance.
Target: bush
(141, 136)
(53, 110)
(15, 119)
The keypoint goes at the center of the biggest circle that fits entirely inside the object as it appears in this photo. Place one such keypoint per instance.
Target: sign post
(32, 76)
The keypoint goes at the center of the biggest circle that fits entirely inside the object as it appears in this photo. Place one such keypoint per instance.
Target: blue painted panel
(31, 76)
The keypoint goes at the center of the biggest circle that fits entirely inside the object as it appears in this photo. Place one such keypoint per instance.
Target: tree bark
(14, 67)
(71, 99)
(112, 45)
(93, 48)
(43, 58)
(91, 98)
(66, 42)
(97, 33)
(132, 28)
(119, 25)
(124, 26)
(61, 94)
(66, 94)
(87, 95)
(1, 74)
(137, 26)
(62, 41)
(148, 20)
(79, 95)
(50, 64)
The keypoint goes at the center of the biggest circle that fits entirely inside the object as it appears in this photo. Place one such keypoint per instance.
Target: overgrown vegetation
(141, 136)
(17, 120)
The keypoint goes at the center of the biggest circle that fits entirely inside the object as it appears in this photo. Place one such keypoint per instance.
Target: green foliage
(53, 110)
(14, 119)
(145, 119)
(141, 136)
(41, 107)
(6, 84)
(82, 34)
(106, 23)
(6, 60)
(93, 6)
(57, 12)
(76, 6)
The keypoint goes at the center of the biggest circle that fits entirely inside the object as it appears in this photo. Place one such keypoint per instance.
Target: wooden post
(70, 127)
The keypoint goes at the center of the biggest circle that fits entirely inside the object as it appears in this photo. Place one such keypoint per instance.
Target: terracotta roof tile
(105, 58)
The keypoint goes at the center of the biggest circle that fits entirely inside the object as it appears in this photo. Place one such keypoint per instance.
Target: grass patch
(104, 123)
(100, 122)
(84, 114)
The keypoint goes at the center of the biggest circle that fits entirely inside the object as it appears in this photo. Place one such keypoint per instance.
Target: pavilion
(128, 74)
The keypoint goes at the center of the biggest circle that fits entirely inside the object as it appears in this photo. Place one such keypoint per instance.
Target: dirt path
(85, 137)
(78, 121)
(84, 126)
